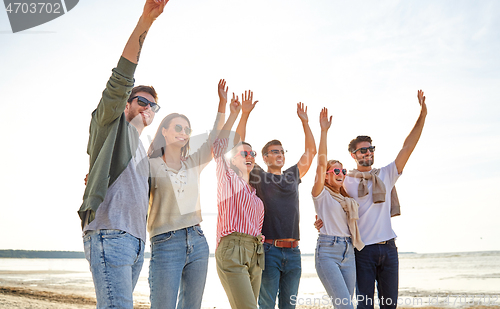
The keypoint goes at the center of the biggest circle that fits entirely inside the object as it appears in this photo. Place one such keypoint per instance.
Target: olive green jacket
(111, 141)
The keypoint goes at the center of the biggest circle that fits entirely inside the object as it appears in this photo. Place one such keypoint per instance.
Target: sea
(431, 279)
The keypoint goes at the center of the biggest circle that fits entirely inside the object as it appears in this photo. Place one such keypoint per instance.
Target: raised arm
(310, 146)
(152, 9)
(412, 138)
(222, 91)
(319, 181)
(234, 108)
(247, 106)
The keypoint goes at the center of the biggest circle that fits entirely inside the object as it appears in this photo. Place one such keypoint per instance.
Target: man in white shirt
(378, 260)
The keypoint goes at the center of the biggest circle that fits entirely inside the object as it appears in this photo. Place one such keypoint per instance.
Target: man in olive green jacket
(115, 202)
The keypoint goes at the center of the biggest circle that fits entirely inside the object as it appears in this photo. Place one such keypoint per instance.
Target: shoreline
(22, 297)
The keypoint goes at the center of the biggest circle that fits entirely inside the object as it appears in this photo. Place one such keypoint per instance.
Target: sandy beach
(448, 280)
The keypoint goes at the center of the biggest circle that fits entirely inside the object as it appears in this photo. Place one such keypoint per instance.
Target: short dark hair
(142, 88)
(360, 138)
(270, 143)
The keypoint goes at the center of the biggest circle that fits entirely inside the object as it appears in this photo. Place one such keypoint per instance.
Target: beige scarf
(350, 206)
(378, 189)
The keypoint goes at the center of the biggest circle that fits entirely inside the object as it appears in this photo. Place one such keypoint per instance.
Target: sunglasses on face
(363, 150)
(275, 152)
(142, 101)
(178, 128)
(337, 171)
(245, 153)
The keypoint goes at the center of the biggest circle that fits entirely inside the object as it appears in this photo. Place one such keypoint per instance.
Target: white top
(175, 195)
(332, 214)
(374, 219)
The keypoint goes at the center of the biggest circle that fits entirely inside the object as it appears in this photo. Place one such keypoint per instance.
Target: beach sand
(23, 298)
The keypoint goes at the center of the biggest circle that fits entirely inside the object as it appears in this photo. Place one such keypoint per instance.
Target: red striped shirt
(239, 208)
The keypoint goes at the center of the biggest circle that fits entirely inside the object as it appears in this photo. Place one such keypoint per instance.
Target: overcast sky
(364, 60)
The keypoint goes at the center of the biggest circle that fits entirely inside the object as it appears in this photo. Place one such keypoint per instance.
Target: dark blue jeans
(282, 273)
(377, 263)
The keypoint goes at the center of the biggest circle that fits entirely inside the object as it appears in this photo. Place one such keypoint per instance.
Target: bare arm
(319, 181)
(412, 138)
(152, 9)
(235, 108)
(247, 106)
(222, 90)
(310, 146)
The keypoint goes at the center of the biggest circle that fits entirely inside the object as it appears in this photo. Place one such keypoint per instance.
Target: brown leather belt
(385, 242)
(282, 243)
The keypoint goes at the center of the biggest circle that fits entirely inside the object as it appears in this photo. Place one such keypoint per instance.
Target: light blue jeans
(178, 266)
(336, 268)
(115, 259)
(280, 278)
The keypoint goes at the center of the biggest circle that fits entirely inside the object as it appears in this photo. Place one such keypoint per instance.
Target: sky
(363, 60)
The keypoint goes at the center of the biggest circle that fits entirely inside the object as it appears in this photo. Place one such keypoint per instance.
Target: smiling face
(333, 180)
(275, 157)
(140, 115)
(243, 164)
(174, 138)
(365, 159)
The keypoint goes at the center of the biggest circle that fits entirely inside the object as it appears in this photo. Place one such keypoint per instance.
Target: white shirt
(374, 219)
(332, 214)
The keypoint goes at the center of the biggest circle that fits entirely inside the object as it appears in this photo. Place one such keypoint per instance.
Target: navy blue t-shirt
(280, 194)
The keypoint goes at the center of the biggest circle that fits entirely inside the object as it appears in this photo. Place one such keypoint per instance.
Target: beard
(366, 162)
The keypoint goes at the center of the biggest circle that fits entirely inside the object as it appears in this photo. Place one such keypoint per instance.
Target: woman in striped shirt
(239, 254)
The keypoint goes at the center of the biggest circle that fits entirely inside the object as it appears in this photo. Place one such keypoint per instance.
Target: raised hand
(302, 112)
(324, 122)
(222, 89)
(235, 105)
(247, 105)
(421, 101)
(153, 9)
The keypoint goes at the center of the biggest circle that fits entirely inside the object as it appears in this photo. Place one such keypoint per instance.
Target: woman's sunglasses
(245, 153)
(337, 171)
(178, 129)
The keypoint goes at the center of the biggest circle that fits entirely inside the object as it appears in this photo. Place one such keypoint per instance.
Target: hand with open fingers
(235, 106)
(421, 101)
(153, 9)
(247, 103)
(222, 89)
(324, 122)
(302, 111)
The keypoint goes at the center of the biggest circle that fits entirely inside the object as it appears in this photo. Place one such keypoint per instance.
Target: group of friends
(130, 190)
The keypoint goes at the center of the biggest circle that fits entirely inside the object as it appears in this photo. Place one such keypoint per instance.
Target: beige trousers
(240, 261)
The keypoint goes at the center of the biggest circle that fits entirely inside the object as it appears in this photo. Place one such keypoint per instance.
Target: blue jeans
(115, 259)
(282, 273)
(378, 263)
(336, 268)
(178, 266)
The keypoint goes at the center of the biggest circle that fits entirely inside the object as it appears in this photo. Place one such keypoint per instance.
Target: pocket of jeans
(267, 247)
(296, 250)
(158, 239)
(120, 249)
(87, 247)
(198, 230)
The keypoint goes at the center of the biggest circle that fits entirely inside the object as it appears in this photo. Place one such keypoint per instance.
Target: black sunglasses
(245, 153)
(276, 152)
(142, 101)
(187, 130)
(337, 171)
(365, 149)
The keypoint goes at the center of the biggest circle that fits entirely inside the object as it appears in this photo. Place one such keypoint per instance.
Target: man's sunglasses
(276, 152)
(337, 171)
(187, 130)
(245, 153)
(142, 101)
(363, 150)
